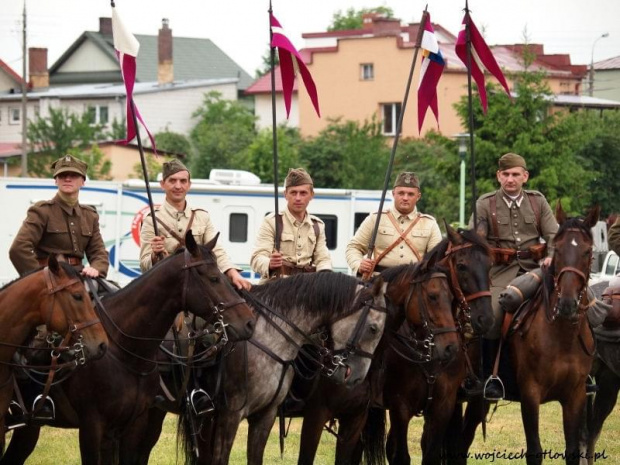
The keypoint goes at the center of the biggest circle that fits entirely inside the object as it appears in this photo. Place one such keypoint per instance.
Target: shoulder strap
(536, 208)
(315, 226)
(402, 237)
(493, 205)
(173, 233)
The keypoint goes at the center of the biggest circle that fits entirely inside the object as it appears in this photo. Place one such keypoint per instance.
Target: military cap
(511, 160)
(297, 177)
(69, 164)
(407, 179)
(172, 167)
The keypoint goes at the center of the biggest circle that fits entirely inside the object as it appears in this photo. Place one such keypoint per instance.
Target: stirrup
(44, 413)
(201, 402)
(591, 386)
(490, 382)
(15, 413)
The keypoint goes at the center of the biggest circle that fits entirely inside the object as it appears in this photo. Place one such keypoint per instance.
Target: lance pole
(399, 125)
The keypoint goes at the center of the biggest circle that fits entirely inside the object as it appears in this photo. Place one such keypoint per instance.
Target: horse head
(572, 260)
(466, 257)
(356, 336)
(214, 297)
(71, 312)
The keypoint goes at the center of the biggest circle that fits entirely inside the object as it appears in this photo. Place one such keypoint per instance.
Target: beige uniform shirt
(424, 236)
(202, 230)
(299, 244)
(52, 226)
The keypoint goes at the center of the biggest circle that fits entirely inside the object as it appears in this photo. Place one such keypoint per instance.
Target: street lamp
(591, 83)
(462, 140)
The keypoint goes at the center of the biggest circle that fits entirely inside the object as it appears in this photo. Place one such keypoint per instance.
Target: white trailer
(236, 210)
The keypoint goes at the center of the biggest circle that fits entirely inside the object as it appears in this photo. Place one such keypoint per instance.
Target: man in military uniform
(613, 236)
(62, 226)
(174, 218)
(404, 234)
(517, 220)
(303, 246)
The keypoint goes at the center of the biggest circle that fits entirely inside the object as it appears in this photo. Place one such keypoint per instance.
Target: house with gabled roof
(92, 59)
(606, 79)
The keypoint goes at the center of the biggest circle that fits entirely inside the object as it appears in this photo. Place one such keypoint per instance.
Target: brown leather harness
(289, 268)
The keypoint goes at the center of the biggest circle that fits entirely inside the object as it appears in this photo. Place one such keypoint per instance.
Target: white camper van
(236, 210)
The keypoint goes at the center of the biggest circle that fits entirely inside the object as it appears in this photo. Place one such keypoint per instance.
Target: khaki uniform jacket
(613, 236)
(424, 236)
(517, 229)
(52, 226)
(299, 244)
(202, 230)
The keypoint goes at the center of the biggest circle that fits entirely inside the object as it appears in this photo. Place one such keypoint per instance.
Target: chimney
(37, 68)
(165, 68)
(105, 26)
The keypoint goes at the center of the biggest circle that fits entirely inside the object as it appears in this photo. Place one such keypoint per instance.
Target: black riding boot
(493, 387)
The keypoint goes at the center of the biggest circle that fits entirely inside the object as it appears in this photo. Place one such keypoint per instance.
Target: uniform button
(515, 215)
(72, 223)
(298, 253)
(401, 246)
(516, 224)
(516, 232)
(518, 239)
(401, 255)
(180, 229)
(299, 237)
(299, 246)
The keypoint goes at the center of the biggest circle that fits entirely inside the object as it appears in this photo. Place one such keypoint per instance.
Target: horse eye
(214, 279)
(433, 297)
(77, 296)
(461, 267)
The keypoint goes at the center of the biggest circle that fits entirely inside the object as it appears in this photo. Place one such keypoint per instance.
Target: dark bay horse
(551, 346)
(109, 398)
(54, 296)
(400, 379)
(257, 374)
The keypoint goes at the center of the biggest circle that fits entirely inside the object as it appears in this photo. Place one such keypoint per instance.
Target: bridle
(337, 358)
(584, 277)
(462, 299)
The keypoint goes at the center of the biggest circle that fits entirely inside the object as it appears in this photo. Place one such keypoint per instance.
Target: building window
(331, 230)
(238, 227)
(391, 113)
(15, 115)
(367, 71)
(97, 114)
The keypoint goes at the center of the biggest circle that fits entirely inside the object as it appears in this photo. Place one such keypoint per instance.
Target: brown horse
(551, 345)
(54, 296)
(109, 398)
(464, 258)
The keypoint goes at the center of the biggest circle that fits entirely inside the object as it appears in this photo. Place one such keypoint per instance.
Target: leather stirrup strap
(505, 327)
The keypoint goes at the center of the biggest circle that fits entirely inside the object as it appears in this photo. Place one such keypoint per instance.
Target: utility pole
(24, 99)
(591, 77)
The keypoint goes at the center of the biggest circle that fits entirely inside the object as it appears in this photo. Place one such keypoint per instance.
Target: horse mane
(315, 293)
(68, 269)
(406, 272)
(437, 253)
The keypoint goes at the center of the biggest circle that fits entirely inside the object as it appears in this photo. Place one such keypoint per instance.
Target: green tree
(174, 142)
(347, 155)
(222, 136)
(59, 133)
(266, 63)
(153, 167)
(353, 19)
(260, 153)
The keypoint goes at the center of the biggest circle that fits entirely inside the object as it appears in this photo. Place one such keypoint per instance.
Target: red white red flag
(432, 67)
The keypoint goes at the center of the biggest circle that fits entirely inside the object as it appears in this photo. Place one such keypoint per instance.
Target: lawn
(504, 435)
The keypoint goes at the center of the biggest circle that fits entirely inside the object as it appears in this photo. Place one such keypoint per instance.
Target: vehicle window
(238, 227)
(331, 230)
(612, 265)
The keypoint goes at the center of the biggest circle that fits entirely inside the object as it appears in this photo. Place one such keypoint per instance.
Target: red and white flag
(127, 46)
(288, 57)
(481, 56)
(430, 72)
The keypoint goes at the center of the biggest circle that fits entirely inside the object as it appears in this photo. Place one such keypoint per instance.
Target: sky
(240, 27)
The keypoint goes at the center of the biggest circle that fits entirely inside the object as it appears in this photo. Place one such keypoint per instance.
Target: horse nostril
(249, 326)
(103, 347)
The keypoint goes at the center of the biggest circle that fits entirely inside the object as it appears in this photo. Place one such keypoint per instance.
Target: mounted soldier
(404, 234)
(302, 242)
(521, 227)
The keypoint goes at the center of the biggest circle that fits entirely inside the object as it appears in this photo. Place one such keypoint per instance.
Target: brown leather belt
(73, 261)
(288, 269)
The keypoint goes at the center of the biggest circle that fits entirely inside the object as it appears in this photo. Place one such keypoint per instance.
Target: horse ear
(453, 236)
(211, 244)
(560, 215)
(592, 216)
(378, 286)
(52, 264)
(190, 243)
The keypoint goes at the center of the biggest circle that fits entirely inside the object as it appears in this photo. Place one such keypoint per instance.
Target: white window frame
(367, 72)
(97, 109)
(388, 127)
(12, 113)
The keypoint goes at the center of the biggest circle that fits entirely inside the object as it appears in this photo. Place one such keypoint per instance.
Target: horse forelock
(574, 223)
(315, 293)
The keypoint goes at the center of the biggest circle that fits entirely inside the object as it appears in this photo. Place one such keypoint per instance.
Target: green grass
(504, 434)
